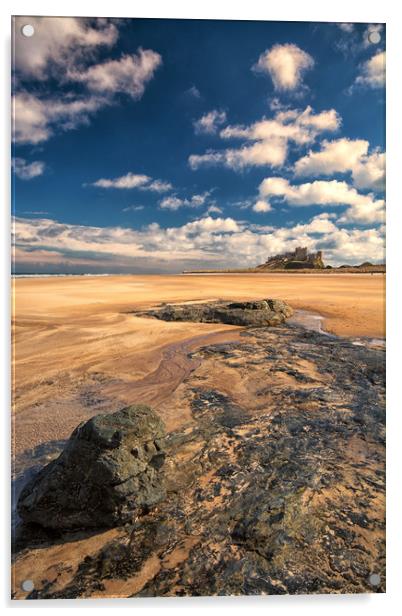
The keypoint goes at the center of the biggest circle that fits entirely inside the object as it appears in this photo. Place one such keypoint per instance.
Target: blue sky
(145, 145)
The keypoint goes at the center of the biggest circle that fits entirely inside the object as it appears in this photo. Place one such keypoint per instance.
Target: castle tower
(301, 253)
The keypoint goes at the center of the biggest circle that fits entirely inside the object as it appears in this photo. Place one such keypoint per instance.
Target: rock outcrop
(280, 491)
(276, 485)
(110, 468)
(260, 313)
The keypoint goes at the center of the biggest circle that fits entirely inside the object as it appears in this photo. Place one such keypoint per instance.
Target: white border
(291, 10)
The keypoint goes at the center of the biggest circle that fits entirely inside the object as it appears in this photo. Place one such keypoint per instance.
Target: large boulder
(110, 468)
(259, 313)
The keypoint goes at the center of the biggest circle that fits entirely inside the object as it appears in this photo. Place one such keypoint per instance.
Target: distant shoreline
(373, 269)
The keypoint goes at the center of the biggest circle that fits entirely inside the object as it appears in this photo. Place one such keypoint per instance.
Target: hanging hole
(374, 579)
(27, 585)
(28, 30)
(374, 37)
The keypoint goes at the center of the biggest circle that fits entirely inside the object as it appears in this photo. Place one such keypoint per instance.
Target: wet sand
(274, 484)
(79, 351)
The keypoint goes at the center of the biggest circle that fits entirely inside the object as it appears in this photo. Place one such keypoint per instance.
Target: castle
(300, 258)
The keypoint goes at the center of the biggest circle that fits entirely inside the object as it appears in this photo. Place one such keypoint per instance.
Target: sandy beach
(77, 347)
(80, 351)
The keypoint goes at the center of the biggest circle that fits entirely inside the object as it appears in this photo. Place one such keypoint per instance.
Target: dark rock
(259, 313)
(109, 469)
(280, 493)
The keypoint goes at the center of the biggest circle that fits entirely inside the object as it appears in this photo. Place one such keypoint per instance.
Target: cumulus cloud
(171, 243)
(261, 206)
(370, 172)
(173, 203)
(63, 49)
(269, 139)
(365, 212)
(264, 153)
(291, 125)
(128, 75)
(25, 170)
(342, 156)
(34, 120)
(316, 123)
(319, 192)
(134, 180)
(58, 42)
(210, 122)
(333, 157)
(372, 72)
(218, 242)
(159, 186)
(286, 64)
(130, 180)
(364, 209)
(321, 224)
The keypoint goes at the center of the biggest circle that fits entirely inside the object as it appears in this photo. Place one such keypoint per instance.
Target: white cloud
(336, 156)
(173, 203)
(372, 73)
(171, 243)
(346, 27)
(261, 206)
(212, 225)
(215, 242)
(364, 209)
(158, 186)
(63, 49)
(286, 64)
(133, 208)
(353, 41)
(210, 122)
(134, 180)
(342, 156)
(370, 172)
(59, 41)
(319, 192)
(27, 171)
(263, 153)
(270, 139)
(291, 125)
(35, 120)
(316, 123)
(128, 75)
(365, 213)
(128, 181)
(214, 209)
(321, 224)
